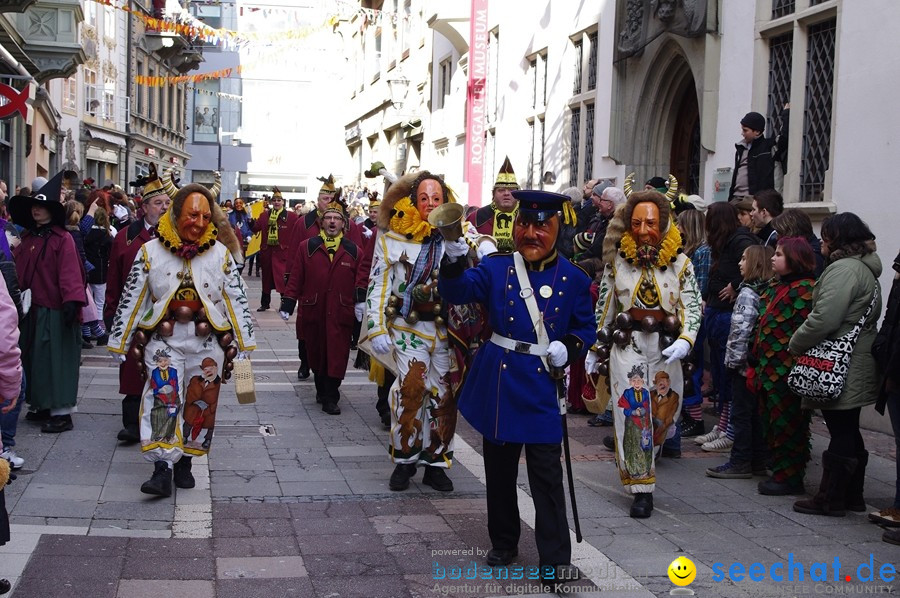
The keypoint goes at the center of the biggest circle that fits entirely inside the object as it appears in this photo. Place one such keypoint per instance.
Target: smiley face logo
(682, 571)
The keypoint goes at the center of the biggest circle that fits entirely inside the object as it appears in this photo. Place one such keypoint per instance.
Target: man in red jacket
(125, 247)
(276, 226)
(329, 281)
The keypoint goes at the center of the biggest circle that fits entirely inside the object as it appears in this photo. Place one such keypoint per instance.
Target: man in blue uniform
(539, 308)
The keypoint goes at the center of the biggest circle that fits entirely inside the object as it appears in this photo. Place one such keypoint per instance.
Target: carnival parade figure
(185, 306)
(497, 218)
(648, 315)
(541, 322)
(406, 320)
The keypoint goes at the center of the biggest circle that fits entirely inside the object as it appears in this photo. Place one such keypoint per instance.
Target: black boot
(855, 501)
(183, 478)
(400, 478)
(642, 505)
(102, 340)
(131, 410)
(436, 477)
(57, 424)
(303, 372)
(160, 483)
(264, 302)
(41, 415)
(5, 586)
(831, 497)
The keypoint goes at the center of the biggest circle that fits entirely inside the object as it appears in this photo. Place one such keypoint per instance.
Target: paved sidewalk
(294, 502)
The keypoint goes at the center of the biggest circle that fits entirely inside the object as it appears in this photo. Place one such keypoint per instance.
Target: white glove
(456, 249)
(382, 344)
(284, 315)
(242, 355)
(117, 357)
(677, 350)
(557, 354)
(591, 361)
(359, 310)
(366, 232)
(486, 248)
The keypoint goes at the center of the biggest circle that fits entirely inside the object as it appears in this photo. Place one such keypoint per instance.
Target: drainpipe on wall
(129, 47)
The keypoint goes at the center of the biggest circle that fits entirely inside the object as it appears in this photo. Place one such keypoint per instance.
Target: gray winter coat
(840, 298)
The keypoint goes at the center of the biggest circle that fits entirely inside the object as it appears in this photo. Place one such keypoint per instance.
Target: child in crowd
(748, 453)
(785, 424)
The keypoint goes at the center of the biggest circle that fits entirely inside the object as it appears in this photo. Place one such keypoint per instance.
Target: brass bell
(136, 353)
(603, 368)
(201, 315)
(666, 340)
(165, 328)
(202, 329)
(649, 324)
(604, 335)
(184, 314)
(435, 273)
(231, 352)
(603, 352)
(671, 324)
(688, 368)
(227, 375)
(413, 317)
(392, 301)
(390, 312)
(439, 321)
(436, 309)
(624, 320)
(621, 337)
(140, 337)
(225, 339)
(229, 365)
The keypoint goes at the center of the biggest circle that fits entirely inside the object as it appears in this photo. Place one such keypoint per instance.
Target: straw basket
(595, 393)
(244, 385)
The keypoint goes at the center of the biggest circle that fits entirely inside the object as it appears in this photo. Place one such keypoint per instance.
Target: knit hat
(754, 121)
(658, 183)
(600, 187)
(506, 178)
(583, 241)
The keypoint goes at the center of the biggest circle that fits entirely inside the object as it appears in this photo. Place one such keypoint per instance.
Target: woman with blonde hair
(692, 224)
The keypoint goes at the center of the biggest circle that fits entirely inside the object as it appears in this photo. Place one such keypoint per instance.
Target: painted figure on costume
(185, 306)
(648, 315)
(201, 400)
(637, 437)
(664, 405)
(164, 386)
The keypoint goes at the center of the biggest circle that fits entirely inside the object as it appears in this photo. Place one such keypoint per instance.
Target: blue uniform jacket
(509, 396)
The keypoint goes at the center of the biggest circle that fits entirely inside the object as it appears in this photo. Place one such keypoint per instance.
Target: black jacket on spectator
(97, 244)
(726, 270)
(886, 348)
(8, 268)
(760, 165)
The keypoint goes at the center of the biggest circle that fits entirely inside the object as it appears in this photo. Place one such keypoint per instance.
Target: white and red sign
(12, 101)
(476, 100)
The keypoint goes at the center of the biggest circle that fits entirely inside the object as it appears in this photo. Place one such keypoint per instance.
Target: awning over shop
(106, 137)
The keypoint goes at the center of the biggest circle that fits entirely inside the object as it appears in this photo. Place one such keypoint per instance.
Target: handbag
(244, 386)
(820, 373)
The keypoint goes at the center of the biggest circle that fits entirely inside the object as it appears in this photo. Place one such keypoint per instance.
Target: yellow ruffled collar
(406, 221)
(668, 251)
(170, 239)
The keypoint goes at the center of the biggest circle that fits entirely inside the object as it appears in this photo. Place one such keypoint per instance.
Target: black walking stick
(559, 376)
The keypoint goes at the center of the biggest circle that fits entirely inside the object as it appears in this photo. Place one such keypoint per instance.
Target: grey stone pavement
(294, 502)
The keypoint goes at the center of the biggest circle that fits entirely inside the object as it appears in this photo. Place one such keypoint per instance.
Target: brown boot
(830, 500)
(855, 500)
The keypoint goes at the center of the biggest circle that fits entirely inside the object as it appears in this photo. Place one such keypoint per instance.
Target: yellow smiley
(682, 571)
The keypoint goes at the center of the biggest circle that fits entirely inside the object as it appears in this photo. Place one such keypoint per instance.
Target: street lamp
(398, 88)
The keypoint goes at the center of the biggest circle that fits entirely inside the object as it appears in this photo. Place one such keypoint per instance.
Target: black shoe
(692, 427)
(498, 557)
(129, 434)
(436, 477)
(642, 505)
(86, 345)
(670, 453)
(160, 483)
(331, 408)
(770, 487)
(400, 478)
(40, 415)
(103, 340)
(577, 410)
(303, 372)
(5, 586)
(599, 421)
(182, 477)
(57, 424)
(386, 420)
(609, 443)
(262, 308)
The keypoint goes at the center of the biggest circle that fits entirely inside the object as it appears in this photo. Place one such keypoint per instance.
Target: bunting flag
(221, 94)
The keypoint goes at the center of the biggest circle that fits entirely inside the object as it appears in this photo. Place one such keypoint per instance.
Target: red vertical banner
(476, 100)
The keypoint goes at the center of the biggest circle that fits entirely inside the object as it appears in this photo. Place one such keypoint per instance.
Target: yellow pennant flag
(256, 210)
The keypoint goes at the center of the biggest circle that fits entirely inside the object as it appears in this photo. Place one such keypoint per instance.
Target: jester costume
(784, 307)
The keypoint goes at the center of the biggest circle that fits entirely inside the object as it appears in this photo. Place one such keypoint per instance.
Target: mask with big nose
(535, 238)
